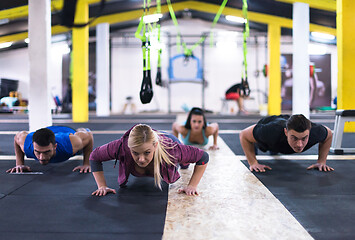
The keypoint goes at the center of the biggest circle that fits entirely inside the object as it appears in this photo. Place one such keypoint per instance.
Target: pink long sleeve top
(118, 149)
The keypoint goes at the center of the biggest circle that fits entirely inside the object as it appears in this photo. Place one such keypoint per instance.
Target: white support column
(102, 69)
(39, 30)
(300, 89)
(116, 100)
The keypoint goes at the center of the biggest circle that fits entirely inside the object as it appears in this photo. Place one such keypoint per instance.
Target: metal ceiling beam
(22, 12)
(327, 5)
(255, 17)
(180, 6)
(211, 8)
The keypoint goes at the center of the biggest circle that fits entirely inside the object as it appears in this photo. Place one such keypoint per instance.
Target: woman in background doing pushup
(196, 130)
(142, 151)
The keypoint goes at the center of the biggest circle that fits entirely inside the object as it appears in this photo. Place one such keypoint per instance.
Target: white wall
(55, 78)
(14, 64)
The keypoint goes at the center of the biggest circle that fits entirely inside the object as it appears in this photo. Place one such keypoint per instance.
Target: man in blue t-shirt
(52, 144)
(286, 134)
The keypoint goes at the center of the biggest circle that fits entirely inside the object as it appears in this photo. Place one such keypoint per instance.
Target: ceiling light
(236, 19)
(60, 49)
(152, 18)
(5, 45)
(4, 21)
(323, 35)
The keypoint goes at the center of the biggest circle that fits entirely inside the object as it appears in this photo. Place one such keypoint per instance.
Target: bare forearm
(249, 151)
(175, 131)
(197, 175)
(324, 150)
(20, 156)
(100, 179)
(215, 137)
(324, 147)
(86, 153)
(212, 129)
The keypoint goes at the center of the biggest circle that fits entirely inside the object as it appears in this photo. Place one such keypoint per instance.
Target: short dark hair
(299, 123)
(195, 111)
(43, 137)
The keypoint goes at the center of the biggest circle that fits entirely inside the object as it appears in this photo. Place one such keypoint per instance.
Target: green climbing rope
(245, 37)
(189, 51)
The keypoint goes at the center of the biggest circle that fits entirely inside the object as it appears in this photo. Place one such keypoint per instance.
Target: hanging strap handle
(146, 92)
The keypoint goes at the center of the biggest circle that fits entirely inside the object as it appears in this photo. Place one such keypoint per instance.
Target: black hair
(245, 88)
(43, 137)
(195, 111)
(299, 123)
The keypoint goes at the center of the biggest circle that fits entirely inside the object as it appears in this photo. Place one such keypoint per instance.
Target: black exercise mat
(14, 126)
(59, 205)
(11, 182)
(323, 202)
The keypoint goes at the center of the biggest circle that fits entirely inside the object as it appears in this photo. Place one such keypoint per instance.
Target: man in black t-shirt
(286, 134)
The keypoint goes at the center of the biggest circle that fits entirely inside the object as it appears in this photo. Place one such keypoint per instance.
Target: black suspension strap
(146, 92)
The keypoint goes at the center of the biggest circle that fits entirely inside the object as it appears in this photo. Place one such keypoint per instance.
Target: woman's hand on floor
(102, 191)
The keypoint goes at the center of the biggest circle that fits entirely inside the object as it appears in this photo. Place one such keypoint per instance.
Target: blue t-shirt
(64, 147)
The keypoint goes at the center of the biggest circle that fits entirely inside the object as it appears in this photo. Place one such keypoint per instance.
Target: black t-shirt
(235, 88)
(270, 136)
